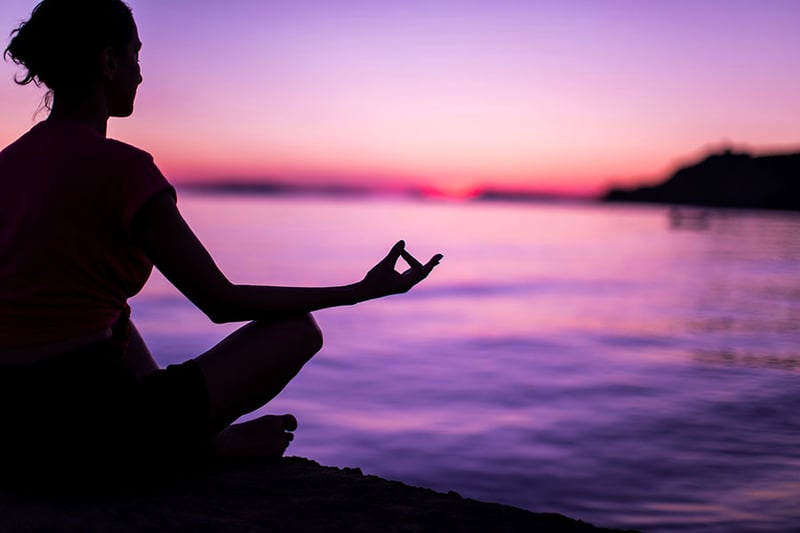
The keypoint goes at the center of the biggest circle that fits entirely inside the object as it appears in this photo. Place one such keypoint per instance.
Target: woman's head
(66, 43)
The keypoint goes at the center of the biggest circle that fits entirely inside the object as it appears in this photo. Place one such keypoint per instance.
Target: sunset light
(455, 96)
(463, 265)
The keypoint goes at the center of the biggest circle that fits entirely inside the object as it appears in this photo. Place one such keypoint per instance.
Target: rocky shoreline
(292, 494)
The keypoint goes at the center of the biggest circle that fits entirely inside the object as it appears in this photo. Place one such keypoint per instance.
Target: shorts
(85, 414)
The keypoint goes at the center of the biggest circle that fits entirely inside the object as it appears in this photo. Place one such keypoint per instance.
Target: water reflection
(582, 360)
(747, 359)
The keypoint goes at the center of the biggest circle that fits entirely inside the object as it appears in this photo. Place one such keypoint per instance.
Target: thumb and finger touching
(416, 271)
(396, 251)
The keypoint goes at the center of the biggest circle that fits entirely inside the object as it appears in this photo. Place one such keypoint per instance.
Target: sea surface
(598, 361)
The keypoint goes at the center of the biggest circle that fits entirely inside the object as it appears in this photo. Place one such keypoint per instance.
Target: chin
(121, 113)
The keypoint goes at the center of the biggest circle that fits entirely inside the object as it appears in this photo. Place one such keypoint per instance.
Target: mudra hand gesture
(383, 279)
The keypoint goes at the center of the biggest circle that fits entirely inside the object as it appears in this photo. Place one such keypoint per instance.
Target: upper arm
(161, 232)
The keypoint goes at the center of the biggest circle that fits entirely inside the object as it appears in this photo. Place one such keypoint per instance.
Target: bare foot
(264, 437)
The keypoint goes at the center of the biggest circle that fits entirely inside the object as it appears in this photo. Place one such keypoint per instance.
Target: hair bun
(58, 44)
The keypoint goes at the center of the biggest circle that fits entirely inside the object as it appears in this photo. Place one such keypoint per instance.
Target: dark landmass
(278, 188)
(275, 188)
(509, 195)
(292, 494)
(727, 179)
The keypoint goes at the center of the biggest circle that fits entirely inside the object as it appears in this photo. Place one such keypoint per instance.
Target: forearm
(236, 303)
(163, 235)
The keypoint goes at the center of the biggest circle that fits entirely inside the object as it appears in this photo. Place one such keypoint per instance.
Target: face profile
(122, 75)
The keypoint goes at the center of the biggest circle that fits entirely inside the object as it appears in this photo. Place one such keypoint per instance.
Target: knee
(300, 333)
(304, 333)
(311, 333)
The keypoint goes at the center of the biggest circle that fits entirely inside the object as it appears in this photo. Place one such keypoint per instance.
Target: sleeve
(142, 180)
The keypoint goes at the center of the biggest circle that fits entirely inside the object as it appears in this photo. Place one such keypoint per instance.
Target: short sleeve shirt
(68, 264)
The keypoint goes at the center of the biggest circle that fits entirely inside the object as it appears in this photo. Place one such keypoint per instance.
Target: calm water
(585, 360)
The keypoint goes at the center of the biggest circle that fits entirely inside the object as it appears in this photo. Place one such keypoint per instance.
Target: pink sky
(569, 96)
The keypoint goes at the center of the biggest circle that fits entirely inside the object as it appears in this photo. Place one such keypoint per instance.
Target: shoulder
(136, 174)
(19, 145)
(130, 163)
(68, 141)
(125, 152)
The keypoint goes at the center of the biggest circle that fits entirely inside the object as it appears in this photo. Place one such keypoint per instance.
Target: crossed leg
(243, 372)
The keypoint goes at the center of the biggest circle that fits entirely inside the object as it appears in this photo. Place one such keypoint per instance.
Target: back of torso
(67, 261)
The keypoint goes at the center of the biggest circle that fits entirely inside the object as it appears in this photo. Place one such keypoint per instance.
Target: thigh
(254, 363)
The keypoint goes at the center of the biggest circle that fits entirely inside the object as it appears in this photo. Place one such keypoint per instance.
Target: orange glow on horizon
(450, 193)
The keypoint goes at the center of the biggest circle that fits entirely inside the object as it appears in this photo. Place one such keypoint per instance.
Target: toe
(289, 422)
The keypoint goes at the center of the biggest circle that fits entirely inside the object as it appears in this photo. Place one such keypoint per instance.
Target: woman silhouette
(83, 219)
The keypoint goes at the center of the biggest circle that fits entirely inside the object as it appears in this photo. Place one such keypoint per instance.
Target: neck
(88, 108)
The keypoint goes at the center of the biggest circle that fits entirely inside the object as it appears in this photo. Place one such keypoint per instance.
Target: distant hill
(275, 188)
(522, 196)
(727, 179)
(279, 188)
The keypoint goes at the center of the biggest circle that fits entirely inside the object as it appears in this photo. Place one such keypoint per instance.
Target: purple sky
(557, 95)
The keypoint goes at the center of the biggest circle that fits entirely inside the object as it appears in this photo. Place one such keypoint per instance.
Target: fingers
(394, 254)
(432, 263)
(429, 266)
(410, 259)
(414, 264)
(418, 271)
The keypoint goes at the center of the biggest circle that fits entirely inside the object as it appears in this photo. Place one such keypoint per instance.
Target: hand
(383, 279)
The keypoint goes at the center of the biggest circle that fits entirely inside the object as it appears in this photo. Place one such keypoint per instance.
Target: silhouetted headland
(727, 179)
(291, 494)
